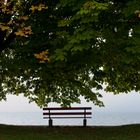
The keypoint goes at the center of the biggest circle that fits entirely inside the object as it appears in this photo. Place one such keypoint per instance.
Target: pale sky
(113, 103)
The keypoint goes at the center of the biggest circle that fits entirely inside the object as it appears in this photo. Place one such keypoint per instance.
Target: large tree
(57, 51)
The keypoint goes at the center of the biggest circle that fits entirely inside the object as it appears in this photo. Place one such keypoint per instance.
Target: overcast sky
(113, 103)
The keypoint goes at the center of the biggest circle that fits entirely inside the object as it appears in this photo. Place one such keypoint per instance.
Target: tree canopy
(59, 50)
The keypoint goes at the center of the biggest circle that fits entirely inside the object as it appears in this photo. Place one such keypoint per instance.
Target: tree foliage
(57, 51)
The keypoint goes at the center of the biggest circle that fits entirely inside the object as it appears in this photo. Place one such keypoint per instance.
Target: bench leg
(84, 122)
(50, 122)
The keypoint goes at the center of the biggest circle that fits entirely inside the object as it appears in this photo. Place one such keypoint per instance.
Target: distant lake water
(98, 118)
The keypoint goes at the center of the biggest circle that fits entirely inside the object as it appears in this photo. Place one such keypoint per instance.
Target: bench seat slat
(64, 117)
(67, 113)
(65, 108)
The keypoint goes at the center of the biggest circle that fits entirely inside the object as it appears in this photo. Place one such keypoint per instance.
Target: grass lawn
(127, 132)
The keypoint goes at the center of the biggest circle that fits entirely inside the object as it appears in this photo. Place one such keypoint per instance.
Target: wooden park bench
(65, 113)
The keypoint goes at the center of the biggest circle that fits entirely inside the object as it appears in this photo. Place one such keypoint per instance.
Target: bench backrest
(71, 112)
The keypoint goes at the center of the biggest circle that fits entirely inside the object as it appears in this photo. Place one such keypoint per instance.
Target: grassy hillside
(128, 132)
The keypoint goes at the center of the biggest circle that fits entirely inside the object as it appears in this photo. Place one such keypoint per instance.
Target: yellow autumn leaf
(42, 56)
(33, 8)
(4, 27)
(20, 33)
(26, 31)
(11, 22)
(39, 7)
(24, 18)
